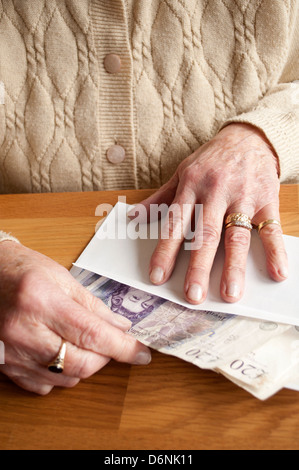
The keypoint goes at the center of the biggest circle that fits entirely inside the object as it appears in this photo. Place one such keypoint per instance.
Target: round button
(112, 63)
(116, 154)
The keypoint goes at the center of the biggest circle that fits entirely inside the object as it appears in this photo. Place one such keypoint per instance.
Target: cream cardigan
(180, 70)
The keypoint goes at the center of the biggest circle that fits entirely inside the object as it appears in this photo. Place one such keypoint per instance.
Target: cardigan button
(116, 154)
(112, 63)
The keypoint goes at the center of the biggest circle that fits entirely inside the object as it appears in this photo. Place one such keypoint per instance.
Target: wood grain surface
(169, 404)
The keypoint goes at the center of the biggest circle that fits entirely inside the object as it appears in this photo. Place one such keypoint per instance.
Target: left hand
(237, 171)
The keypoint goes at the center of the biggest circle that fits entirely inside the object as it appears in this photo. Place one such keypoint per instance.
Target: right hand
(41, 303)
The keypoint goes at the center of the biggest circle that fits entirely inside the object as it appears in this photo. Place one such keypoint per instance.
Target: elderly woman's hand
(236, 172)
(41, 303)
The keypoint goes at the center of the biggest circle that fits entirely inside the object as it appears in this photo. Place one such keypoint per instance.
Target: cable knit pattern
(189, 67)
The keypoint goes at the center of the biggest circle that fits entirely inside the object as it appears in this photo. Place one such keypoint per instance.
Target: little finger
(270, 231)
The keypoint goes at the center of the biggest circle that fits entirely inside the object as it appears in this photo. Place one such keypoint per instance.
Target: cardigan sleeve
(277, 113)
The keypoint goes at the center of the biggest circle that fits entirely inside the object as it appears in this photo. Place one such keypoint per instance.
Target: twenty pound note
(226, 343)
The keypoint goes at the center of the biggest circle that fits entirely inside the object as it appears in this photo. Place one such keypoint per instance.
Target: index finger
(94, 304)
(86, 330)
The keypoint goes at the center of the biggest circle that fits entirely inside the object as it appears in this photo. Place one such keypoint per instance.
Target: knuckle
(9, 332)
(123, 351)
(172, 229)
(86, 366)
(210, 234)
(177, 217)
(189, 175)
(214, 181)
(27, 294)
(276, 252)
(237, 237)
(12, 330)
(85, 297)
(272, 230)
(88, 336)
(197, 271)
(49, 348)
(237, 270)
(165, 252)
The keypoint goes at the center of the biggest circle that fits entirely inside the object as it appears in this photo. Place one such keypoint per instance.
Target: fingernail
(194, 292)
(284, 272)
(157, 275)
(233, 290)
(121, 322)
(143, 358)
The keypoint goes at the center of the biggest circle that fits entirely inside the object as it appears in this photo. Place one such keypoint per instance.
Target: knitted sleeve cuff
(282, 131)
(6, 236)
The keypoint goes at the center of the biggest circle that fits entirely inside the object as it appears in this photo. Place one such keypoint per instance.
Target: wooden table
(169, 404)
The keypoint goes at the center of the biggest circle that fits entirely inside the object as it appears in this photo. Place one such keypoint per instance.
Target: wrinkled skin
(237, 171)
(40, 303)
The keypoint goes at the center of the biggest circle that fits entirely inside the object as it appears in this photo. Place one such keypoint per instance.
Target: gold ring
(238, 220)
(267, 222)
(57, 366)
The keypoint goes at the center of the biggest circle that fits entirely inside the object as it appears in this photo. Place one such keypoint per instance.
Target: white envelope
(127, 261)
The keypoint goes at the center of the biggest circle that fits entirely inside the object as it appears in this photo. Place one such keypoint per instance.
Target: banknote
(269, 368)
(121, 299)
(209, 340)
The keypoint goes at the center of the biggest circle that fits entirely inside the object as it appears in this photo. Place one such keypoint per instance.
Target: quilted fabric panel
(202, 62)
(49, 71)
